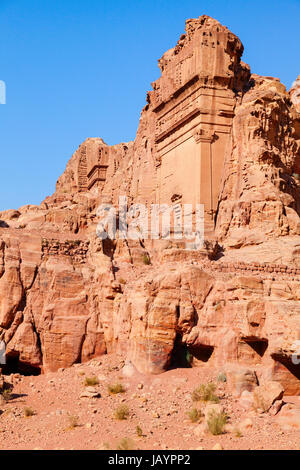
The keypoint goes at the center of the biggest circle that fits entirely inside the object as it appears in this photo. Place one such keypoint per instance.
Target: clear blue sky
(76, 69)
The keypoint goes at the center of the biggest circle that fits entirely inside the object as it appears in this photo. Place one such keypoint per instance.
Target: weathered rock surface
(266, 394)
(210, 133)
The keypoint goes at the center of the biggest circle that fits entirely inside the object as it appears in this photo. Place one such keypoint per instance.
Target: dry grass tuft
(125, 444)
(195, 415)
(73, 422)
(90, 381)
(28, 411)
(216, 422)
(206, 392)
(122, 412)
(116, 388)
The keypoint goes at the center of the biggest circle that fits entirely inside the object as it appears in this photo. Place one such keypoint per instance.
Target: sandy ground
(157, 404)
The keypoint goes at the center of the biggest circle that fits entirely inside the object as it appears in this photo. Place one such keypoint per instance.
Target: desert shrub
(195, 415)
(122, 281)
(90, 381)
(188, 358)
(146, 259)
(116, 388)
(6, 393)
(28, 412)
(122, 412)
(216, 422)
(125, 444)
(139, 431)
(206, 392)
(73, 422)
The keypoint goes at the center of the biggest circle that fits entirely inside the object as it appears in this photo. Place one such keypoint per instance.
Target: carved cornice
(204, 135)
(172, 128)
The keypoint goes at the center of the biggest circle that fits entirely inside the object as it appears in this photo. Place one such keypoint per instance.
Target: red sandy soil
(157, 404)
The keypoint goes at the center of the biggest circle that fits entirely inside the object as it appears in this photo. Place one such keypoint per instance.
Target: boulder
(266, 394)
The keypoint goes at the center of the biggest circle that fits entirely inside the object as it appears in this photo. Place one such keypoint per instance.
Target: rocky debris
(90, 392)
(266, 394)
(245, 425)
(128, 370)
(289, 418)
(246, 399)
(276, 407)
(241, 380)
(67, 422)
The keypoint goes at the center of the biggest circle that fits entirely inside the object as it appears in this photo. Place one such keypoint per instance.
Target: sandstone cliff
(210, 133)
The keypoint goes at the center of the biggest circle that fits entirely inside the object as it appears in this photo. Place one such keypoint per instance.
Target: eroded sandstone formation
(210, 133)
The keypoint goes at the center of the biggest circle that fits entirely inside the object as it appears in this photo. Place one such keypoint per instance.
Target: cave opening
(258, 345)
(202, 352)
(15, 366)
(181, 357)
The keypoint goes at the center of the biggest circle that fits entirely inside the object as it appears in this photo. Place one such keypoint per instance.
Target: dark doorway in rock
(258, 345)
(202, 353)
(14, 366)
(181, 357)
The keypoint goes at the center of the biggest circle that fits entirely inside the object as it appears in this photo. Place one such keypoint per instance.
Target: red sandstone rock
(210, 133)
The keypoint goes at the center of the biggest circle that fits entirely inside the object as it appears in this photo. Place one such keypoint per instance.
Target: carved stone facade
(212, 134)
(93, 164)
(193, 103)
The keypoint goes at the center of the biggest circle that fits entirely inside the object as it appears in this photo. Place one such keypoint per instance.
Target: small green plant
(6, 393)
(195, 415)
(125, 444)
(146, 259)
(73, 422)
(188, 358)
(206, 392)
(116, 388)
(90, 381)
(28, 412)
(216, 422)
(222, 377)
(139, 431)
(122, 412)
